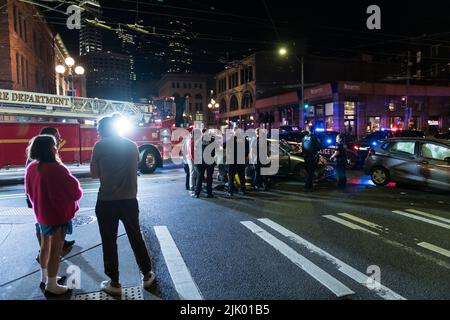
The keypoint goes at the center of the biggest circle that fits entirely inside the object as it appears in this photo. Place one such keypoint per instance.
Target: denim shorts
(49, 230)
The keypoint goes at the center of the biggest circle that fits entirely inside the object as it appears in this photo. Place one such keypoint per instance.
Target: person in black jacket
(257, 179)
(237, 163)
(311, 147)
(341, 161)
(204, 165)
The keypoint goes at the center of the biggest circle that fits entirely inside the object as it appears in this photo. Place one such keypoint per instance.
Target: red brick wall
(38, 54)
(5, 71)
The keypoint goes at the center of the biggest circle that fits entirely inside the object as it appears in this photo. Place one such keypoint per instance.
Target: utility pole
(302, 89)
(408, 82)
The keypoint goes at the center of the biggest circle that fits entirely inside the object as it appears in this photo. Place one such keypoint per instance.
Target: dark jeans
(188, 176)
(310, 162)
(238, 169)
(341, 175)
(108, 214)
(257, 179)
(200, 175)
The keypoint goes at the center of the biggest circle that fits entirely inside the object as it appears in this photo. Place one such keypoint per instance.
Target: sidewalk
(19, 279)
(15, 175)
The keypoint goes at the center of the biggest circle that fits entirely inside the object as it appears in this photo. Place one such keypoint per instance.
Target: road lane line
(350, 225)
(362, 221)
(429, 215)
(349, 271)
(434, 248)
(412, 216)
(184, 284)
(334, 285)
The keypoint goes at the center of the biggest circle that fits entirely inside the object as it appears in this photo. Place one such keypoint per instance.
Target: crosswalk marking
(434, 248)
(429, 215)
(350, 224)
(362, 221)
(334, 285)
(349, 271)
(412, 216)
(181, 277)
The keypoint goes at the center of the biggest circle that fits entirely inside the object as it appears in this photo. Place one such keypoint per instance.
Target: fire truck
(24, 114)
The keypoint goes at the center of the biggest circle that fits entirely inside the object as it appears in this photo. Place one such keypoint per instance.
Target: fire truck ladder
(36, 104)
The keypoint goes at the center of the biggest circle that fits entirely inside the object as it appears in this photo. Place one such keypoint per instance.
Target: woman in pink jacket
(54, 193)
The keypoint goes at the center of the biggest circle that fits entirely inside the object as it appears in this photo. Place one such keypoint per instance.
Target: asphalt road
(362, 243)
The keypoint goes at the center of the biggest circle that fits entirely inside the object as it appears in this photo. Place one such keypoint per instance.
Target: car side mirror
(447, 160)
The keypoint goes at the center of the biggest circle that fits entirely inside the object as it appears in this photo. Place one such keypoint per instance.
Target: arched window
(223, 106)
(247, 100)
(234, 103)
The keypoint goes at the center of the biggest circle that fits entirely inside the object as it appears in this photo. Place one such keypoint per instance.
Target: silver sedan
(417, 161)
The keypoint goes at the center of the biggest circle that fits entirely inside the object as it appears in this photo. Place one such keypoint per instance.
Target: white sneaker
(111, 290)
(148, 280)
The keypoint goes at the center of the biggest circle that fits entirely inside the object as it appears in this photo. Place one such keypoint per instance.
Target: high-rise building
(108, 76)
(179, 47)
(128, 47)
(90, 35)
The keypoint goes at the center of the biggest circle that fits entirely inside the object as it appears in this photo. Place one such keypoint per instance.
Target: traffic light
(305, 105)
(404, 100)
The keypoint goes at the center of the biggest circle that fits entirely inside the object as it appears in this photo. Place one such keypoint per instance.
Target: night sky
(227, 30)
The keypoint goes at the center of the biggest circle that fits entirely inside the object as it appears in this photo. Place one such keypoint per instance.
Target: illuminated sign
(352, 87)
(33, 98)
(433, 122)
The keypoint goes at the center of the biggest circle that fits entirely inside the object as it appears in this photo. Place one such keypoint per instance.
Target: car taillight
(356, 147)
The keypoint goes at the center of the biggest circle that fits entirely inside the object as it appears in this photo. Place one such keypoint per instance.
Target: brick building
(266, 74)
(26, 49)
(357, 108)
(191, 93)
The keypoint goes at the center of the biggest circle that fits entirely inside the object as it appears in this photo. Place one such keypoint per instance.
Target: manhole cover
(79, 221)
(131, 293)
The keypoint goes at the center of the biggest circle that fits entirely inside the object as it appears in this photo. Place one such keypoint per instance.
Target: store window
(396, 123)
(413, 123)
(320, 116)
(329, 123)
(350, 117)
(247, 100)
(234, 103)
(329, 116)
(223, 106)
(373, 124)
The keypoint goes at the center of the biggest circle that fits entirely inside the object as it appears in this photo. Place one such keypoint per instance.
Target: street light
(213, 104)
(214, 107)
(283, 52)
(70, 63)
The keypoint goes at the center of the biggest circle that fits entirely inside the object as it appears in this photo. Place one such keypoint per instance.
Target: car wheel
(380, 176)
(300, 174)
(149, 161)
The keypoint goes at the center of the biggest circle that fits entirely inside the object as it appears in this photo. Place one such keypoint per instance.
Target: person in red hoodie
(53, 193)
